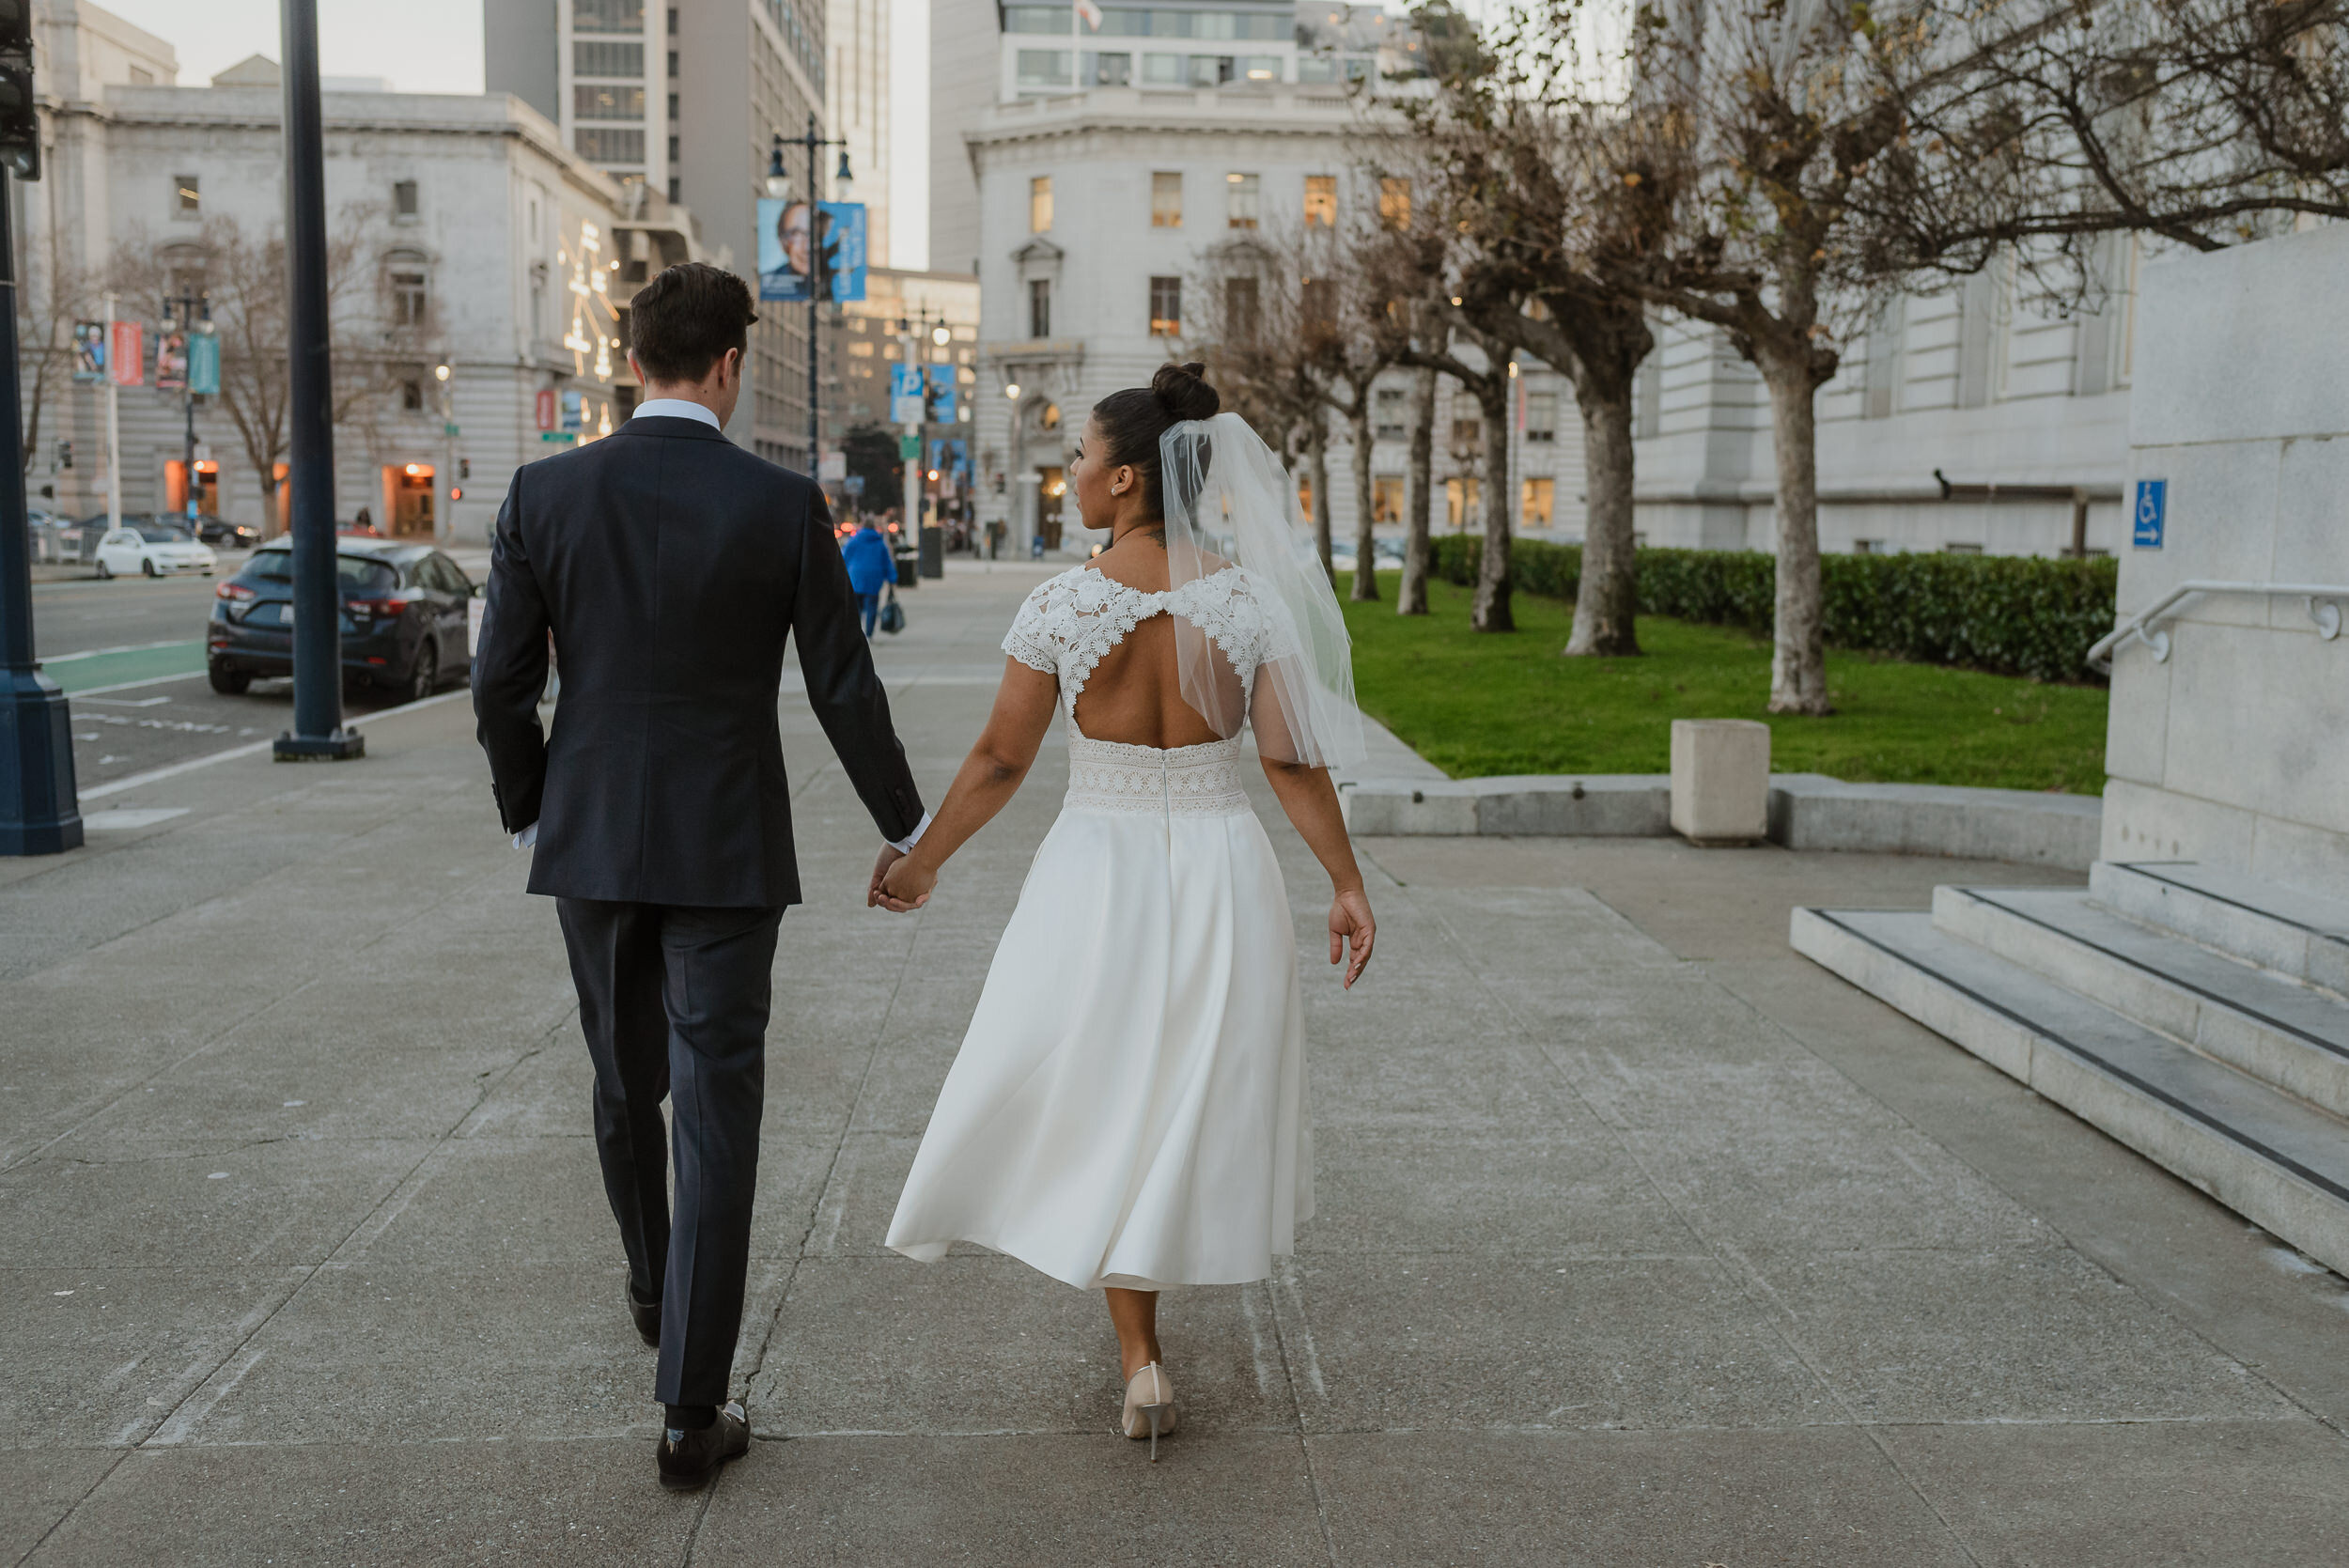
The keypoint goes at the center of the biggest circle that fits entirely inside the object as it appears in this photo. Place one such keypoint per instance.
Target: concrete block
(1721, 781)
(1380, 807)
(1810, 810)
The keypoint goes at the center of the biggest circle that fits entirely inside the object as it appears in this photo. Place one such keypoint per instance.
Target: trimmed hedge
(2010, 615)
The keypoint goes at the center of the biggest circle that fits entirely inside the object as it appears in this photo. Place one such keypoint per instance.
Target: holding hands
(899, 884)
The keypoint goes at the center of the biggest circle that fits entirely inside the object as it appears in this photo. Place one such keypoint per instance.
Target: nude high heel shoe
(1149, 1406)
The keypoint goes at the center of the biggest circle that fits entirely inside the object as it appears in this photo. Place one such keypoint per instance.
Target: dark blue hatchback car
(404, 613)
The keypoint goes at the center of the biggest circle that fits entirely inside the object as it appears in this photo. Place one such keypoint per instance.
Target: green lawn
(1476, 706)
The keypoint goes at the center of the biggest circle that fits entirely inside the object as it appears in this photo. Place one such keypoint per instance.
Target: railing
(2323, 601)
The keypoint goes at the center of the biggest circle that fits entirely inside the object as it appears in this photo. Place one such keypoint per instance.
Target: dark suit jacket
(670, 565)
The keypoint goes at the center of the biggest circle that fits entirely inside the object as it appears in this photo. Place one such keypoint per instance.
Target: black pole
(818, 284)
(318, 730)
(39, 811)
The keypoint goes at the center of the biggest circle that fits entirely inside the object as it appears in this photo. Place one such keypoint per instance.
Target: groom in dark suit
(670, 565)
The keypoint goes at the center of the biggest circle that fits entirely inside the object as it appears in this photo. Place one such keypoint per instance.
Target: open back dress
(1128, 1106)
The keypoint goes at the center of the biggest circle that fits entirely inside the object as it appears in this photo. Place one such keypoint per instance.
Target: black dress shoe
(647, 1316)
(689, 1458)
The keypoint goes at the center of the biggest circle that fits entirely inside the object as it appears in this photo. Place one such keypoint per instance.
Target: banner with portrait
(804, 247)
(89, 350)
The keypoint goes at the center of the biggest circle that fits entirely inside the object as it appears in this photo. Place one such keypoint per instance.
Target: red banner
(129, 354)
(546, 408)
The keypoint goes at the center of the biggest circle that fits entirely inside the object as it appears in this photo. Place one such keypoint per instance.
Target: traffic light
(65, 455)
(20, 116)
(464, 468)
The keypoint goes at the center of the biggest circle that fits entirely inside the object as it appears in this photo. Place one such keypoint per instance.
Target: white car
(154, 549)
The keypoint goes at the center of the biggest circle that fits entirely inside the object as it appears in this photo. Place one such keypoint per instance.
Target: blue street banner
(810, 252)
(204, 365)
(941, 399)
(89, 350)
(905, 394)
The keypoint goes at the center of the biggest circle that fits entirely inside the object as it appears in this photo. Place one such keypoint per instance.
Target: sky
(421, 46)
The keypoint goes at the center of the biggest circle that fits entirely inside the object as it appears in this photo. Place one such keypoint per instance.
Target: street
(130, 653)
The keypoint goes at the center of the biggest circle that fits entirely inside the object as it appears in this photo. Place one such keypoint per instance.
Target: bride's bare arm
(989, 778)
(1312, 804)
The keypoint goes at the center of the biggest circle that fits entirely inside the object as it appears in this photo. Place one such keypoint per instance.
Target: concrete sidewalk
(1641, 1240)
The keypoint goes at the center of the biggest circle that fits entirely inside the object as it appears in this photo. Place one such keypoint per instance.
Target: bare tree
(243, 275)
(1253, 337)
(1419, 494)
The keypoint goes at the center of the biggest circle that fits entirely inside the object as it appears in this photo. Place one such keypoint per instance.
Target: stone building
(467, 238)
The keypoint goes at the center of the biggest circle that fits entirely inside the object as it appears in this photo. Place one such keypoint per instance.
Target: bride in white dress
(1128, 1110)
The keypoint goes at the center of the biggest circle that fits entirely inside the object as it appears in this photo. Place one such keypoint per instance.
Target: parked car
(404, 613)
(153, 547)
(222, 533)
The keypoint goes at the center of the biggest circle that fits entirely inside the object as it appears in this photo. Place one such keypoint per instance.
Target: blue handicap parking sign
(2153, 500)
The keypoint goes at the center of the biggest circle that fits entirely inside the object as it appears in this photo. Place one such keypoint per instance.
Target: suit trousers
(674, 1001)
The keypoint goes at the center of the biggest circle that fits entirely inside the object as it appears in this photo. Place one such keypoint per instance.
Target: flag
(1091, 13)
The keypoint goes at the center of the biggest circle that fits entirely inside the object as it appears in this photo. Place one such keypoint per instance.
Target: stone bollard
(1721, 781)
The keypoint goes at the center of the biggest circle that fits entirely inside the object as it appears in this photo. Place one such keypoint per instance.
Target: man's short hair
(684, 320)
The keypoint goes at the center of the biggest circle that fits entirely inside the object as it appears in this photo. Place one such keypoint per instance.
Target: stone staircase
(2200, 1018)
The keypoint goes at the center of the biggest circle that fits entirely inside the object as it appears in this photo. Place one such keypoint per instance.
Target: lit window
(607, 102)
(1166, 200)
(1240, 195)
(1039, 203)
(188, 202)
(1394, 202)
(1386, 498)
(1535, 498)
(1321, 201)
(1166, 307)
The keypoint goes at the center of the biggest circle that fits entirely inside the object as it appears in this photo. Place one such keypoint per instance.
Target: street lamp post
(185, 308)
(445, 527)
(819, 280)
(911, 329)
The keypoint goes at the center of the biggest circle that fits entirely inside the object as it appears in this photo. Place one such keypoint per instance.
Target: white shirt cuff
(905, 846)
(528, 838)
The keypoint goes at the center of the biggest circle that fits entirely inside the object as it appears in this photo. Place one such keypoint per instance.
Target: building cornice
(1110, 113)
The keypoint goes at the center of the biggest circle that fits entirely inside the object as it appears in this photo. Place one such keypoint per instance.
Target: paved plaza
(1642, 1241)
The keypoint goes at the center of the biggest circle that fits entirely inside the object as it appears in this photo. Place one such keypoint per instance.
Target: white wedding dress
(1128, 1106)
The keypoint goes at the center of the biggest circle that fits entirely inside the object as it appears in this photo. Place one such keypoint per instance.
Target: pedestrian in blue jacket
(872, 566)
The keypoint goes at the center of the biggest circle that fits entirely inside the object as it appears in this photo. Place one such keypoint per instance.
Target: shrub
(2010, 615)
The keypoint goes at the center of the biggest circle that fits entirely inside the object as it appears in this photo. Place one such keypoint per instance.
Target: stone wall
(2234, 752)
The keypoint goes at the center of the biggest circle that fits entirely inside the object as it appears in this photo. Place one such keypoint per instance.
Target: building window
(1871, 546)
(607, 16)
(1048, 20)
(1162, 70)
(1043, 67)
(1961, 549)
(1883, 364)
(673, 149)
(1261, 67)
(411, 396)
(607, 101)
(404, 283)
(1390, 405)
(1535, 498)
(610, 145)
(1541, 416)
(1039, 203)
(677, 188)
(1166, 200)
(403, 198)
(1468, 437)
(607, 59)
(1386, 498)
(1461, 495)
(1166, 307)
(1241, 193)
(1321, 201)
(1112, 71)
(1039, 307)
(187, 197)
(672, 65)
(1394, 202)
(1211, 71)
(673, 114)
(1239, 309)
(1316, 68)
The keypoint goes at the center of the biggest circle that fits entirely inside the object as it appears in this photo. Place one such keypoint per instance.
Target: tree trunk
(1365, 515)
(1317, 464)
(1606, 604)
(1418, 495)
(1490, 610)
(1798, 660)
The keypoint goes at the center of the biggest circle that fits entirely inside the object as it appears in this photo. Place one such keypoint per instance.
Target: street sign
(909, 448)
(449, 428)
(833, 466)
(904, 394)
(2153, 502)
(556, 436)
(574, 411)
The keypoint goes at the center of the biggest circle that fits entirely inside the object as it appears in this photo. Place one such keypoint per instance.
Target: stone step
(2279, 1033)
(2301, 934)
(2276, 1160)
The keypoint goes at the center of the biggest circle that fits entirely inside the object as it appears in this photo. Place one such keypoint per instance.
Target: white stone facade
(480, 242)
(1067, 290)
(2233, 751)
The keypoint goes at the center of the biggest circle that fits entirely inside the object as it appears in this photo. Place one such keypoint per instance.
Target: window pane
(609, 146)
(1321, 201)
(1533, 502)
(1316, 68)
(1240, 192)
(1166, 200)
(1166, 307)
(1210, 70)
(404, 198)
(1039, 308)
(1541, 416)
(1165, 70)
(607, 59)
(607, 103)
(1112, 71)
(1039, 203)
(1386, 498)
(608, 16)
(1036, 19)
(1043, 67)
(185, 194)
(1260, 68)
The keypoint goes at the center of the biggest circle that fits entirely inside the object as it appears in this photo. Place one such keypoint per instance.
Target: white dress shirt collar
(675, 407)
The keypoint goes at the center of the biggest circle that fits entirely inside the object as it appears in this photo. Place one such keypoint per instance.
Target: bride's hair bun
(1184, 390)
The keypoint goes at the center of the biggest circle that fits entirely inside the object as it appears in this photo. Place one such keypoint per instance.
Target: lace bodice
(1072, 620)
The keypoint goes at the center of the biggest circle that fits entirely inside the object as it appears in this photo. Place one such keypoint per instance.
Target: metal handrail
(2323, 609)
